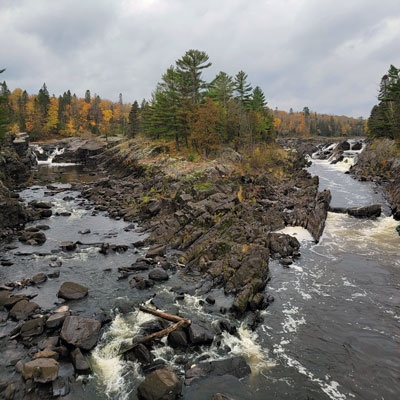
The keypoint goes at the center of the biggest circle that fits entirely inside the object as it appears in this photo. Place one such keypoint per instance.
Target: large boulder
(23, 309)
(33, 327)
(158, 275)
(162, 384)
(41, 370)
(371, 211)
(32, 237)
(80, 332)
(200, 333)
(72, 291)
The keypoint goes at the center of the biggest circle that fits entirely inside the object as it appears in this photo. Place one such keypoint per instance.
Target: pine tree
(243, 90)
(190, 68)
(134, 120)
(221, 89)
(384, 120)
(4, 112)
(258, 101)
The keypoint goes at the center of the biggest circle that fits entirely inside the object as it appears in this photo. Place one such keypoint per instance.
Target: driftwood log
(179, 323)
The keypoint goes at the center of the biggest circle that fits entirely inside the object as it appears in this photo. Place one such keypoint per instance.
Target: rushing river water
(332, 332)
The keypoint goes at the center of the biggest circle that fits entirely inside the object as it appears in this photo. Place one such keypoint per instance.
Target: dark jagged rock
(79, 362)
(178, 339)
(371, 211)
(200, 333)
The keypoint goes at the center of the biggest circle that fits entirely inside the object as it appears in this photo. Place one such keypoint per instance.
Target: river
(331, 333)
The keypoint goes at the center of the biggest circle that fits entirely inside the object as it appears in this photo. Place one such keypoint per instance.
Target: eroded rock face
(162, 384)
(80, 332)
(12, 212)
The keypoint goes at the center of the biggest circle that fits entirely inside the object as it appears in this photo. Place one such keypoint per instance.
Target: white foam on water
(371, 237)
(246, 344)
(330, 387)
(108, 365)
(345, 164)
(302, 234)
(291, 324)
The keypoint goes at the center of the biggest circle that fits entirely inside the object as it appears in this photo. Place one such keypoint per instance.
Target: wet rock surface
(218, 226)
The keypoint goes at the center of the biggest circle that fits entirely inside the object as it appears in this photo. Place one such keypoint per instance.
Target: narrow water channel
(332, 332)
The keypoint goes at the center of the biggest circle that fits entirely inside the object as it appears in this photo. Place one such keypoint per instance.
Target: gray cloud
(327, 55)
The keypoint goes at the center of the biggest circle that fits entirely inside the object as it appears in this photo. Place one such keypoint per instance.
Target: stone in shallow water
(158, 275)
(162, 384)
(41, 370)
(23, 309)
(33, 327)
(72, 291)
(80, 332)
(236, 366)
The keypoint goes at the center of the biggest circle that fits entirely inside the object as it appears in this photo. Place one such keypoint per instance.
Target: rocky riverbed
(205, 219)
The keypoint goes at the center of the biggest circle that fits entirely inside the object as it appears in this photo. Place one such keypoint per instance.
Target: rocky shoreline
(206, 219)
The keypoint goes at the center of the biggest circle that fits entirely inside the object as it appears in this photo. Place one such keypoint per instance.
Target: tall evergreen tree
(134, 120)
(385, 117)
(190, 67)
(4, 112)
(258, 101)
(221, 89)
(43, 100)
(88, 99)
(243, 90)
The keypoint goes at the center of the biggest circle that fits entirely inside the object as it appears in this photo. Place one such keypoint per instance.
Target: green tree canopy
(190, 67)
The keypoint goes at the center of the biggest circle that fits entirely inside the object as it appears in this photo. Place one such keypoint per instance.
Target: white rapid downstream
(334, 327)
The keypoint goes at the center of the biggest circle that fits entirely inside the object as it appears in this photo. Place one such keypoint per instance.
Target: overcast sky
(328, 55)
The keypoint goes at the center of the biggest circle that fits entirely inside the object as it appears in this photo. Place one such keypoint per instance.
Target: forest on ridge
(183, 107)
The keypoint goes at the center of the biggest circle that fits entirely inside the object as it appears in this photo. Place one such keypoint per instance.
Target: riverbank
(214, 220)
(380, 163)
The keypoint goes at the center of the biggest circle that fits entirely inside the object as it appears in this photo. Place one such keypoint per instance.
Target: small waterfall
(51, 154)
